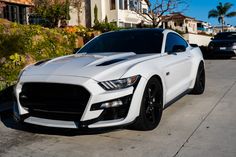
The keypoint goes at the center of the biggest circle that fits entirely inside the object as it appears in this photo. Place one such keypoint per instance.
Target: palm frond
(213, 13)
(227, 6)
(231, 14)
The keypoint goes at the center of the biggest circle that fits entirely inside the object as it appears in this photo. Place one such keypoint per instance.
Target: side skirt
(177, 98)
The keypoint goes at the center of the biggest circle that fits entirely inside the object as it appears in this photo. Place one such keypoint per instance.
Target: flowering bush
(21, 45)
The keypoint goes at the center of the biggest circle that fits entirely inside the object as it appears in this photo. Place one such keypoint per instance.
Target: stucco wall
(201, 40)
(73, 16)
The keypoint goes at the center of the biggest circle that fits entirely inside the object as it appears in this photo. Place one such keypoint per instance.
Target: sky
(199, 9)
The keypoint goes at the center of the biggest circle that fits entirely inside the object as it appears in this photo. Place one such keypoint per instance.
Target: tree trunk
(154, 23)
(79, 7)
(223, 21)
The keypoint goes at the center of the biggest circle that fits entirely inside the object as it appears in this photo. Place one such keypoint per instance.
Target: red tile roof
(24, 2)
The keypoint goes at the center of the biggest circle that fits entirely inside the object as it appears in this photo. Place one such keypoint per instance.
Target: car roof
(160, 30)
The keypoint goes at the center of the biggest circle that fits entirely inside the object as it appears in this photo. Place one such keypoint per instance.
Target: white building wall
(200, 40)
(82, 15)
(117, 15)
(73, 16)
(111, 14)
(100, 11)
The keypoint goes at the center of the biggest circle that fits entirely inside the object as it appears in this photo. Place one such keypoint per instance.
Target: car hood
(98, 66)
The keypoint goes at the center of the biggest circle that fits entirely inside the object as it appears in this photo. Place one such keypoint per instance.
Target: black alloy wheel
(151, 107)
(199, 86)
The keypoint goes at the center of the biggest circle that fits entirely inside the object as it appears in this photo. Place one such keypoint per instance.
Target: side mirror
(194, 45)
(179, 48)
(76, 50)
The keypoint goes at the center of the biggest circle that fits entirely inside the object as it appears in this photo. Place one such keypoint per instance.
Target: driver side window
(174, 40)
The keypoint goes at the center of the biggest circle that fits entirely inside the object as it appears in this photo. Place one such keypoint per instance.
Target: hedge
(21, 45)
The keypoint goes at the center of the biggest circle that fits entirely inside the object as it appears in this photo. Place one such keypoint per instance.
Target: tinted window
(174, 39)
(126, 41)
(225, 36)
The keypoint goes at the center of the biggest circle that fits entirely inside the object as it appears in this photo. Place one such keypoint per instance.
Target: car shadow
(211, 57)
(6, 117)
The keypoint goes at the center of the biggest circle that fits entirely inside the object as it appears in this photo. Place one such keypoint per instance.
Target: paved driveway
(202, 125)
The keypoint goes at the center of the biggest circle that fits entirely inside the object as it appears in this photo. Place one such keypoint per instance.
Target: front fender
(197, 58)
(147, 70)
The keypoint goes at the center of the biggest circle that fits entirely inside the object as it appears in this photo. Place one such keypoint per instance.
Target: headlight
(120, 83)
(234, 46)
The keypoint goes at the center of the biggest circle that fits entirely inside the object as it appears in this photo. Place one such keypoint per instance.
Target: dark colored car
(223, 44)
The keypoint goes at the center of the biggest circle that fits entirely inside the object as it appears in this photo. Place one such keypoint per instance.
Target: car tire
(199, 86)
(151, 106)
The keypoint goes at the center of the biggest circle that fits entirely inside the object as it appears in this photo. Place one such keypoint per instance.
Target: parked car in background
(119, 78)
(223, 44)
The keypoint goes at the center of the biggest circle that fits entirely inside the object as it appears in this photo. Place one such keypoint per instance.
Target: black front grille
(54, 101)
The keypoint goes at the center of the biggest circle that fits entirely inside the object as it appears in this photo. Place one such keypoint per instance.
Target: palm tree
(222, 11)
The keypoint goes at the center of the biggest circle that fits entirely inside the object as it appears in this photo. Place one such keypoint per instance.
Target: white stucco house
(180, 22)
(120, 12)
(227, 28)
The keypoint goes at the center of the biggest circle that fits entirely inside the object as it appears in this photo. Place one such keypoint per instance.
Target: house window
(15, 13)
(121, 7)
(126, 4)
(144, 10)
(112, 4)
(131, 5)
(14, 10)
(6, 13)
(22, 15)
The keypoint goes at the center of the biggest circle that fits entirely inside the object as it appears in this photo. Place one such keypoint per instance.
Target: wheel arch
(161, 81)
(195, 71)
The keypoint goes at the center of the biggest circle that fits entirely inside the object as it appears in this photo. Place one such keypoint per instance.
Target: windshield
(225, 36)
(142, 41)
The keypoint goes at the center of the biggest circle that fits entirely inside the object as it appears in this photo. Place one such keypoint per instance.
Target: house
(120, 12)
(204, 28)
(180, 22)
(227, 28)
(81, 16)
(15, 10)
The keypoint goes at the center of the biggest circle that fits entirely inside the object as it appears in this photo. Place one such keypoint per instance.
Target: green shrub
(21, 45)
(105, 27)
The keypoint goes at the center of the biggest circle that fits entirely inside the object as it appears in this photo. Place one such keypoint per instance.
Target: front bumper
(90, 118)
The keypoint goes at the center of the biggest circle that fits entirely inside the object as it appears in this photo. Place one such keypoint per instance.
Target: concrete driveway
(202, 125)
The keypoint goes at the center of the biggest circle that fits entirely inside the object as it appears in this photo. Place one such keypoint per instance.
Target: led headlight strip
(120, 83)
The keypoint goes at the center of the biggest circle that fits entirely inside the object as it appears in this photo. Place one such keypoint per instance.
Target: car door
(178, 66)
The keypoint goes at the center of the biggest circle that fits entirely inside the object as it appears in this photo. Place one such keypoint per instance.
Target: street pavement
(196, 125)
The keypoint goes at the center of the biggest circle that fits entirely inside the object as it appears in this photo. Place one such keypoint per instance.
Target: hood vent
(41, 62)
(111, 62)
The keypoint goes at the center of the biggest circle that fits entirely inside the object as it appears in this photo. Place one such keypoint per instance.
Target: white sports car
(119, 78)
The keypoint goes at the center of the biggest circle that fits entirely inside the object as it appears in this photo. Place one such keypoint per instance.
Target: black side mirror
(179, 48)
(194, 45)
